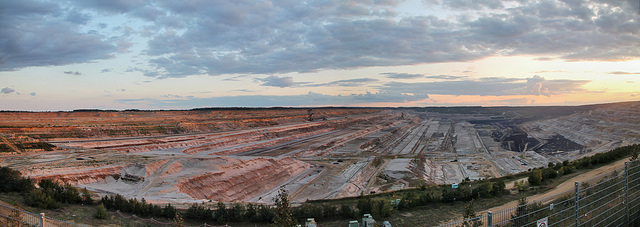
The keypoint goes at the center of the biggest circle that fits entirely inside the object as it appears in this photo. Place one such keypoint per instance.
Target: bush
(365, 205)
(61, 193)
(536, 177)
(100, 213)
(251, 212)
(199, 212)
(384, 209)
(499, 188)
(549, 174)
(169, 211)
(236, 213)
(265, 214)
(12, 181)
(37, 198)
(221, 214)
(347, 212)
(486, 189)
(86, 196)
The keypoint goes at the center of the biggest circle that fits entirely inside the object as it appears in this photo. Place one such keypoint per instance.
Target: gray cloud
(113, 6)
(310, 99)
(403, 75)
(490, 86)
(77, 17)
(36, 33)
(309, 36)
(247, 37)
(275, 81)
(75, 73)
(445, 77)
(32, 94)
(345, 83)
(172, 96)
(473, 4)
(244, 90)
(7, 90)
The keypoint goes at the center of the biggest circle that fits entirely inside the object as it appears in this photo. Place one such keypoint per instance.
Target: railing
(12, 217)
(609, 199)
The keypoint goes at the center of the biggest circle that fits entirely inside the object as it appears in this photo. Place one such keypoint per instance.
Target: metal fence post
(577, 189)
(626, 193)
(489, 219)
(41, 219)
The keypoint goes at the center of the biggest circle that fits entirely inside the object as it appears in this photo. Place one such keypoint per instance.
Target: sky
(145, 54)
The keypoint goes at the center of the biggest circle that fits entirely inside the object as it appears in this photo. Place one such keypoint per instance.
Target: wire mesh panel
(609, 199)
(10, 216)
(602, 202)
(634, 193)
(480, 221)
(51, 222)
(557, 208)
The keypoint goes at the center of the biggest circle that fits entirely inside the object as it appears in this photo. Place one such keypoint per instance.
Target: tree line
(539, 176)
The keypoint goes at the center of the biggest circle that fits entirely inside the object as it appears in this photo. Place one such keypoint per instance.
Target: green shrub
(536, 177)
(100, 213)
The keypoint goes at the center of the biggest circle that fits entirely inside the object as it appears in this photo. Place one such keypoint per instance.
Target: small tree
(177, 221)
(365, 205)
(221, 213)
(536, 177)
(486, 188)
(347, 212)
(169, 211)
(236, 213)
(284, 213)
(469, 216)
(86, 196)
(100, 213)
(635, 154)
(251, 212)
(520, 217)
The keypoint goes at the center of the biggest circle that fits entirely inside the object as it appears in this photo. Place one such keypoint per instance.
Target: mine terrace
(247, 154)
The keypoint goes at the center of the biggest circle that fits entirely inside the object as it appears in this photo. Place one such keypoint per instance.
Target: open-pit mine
(246, 155)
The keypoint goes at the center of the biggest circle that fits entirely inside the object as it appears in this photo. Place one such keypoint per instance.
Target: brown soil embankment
(242, 179)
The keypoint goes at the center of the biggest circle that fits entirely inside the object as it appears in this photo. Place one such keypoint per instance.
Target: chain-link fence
(12, 217)
(609, 199)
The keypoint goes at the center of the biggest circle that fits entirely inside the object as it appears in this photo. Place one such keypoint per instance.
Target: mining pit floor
(340, 156)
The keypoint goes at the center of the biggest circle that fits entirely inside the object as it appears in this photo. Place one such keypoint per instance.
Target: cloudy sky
(121, 54)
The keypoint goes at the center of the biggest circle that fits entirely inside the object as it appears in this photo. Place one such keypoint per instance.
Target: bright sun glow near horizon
(65, 55)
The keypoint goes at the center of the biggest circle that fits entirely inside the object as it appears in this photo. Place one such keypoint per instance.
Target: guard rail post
(626, 193)
(577, 189)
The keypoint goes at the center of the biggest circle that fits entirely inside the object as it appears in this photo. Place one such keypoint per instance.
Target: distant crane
(311, 116)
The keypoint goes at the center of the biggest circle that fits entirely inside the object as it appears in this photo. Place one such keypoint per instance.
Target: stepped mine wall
(242, 179)
(82, 176)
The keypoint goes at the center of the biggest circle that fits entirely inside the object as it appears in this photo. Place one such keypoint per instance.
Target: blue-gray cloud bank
(272, 37)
